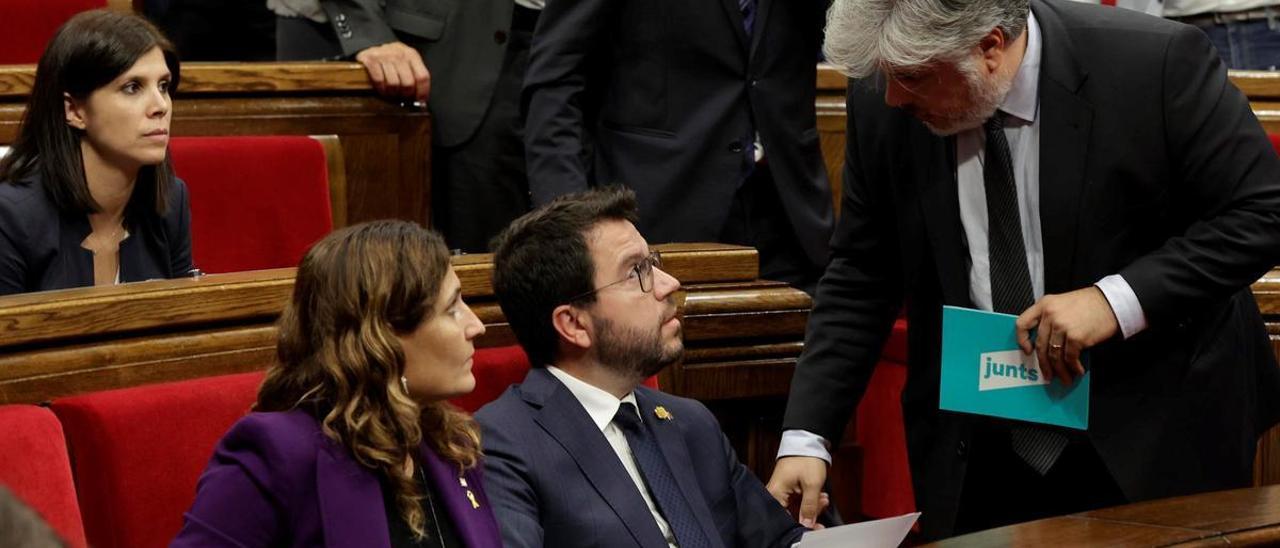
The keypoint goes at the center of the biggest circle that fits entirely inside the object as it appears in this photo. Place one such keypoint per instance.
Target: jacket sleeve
(857, 298)
(13, 261)
(508, 485)
(569, 33)
(238, 499)
(358, 24)
(1229, 184)
(179, 226)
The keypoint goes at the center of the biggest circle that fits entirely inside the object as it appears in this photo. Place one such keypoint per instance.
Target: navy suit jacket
(40, 246)
(555, 481)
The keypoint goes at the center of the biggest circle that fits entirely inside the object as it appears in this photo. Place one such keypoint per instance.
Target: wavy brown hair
(338, 355)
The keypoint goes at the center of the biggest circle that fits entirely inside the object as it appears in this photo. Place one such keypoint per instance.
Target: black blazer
(40, 247)
(556, 482)
(1152, 166)
(666, 92)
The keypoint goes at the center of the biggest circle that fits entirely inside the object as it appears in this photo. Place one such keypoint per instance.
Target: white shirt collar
(601, 406)
(1023, 98)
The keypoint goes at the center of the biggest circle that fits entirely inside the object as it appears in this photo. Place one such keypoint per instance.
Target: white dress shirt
(1021, 107)
(601, 406)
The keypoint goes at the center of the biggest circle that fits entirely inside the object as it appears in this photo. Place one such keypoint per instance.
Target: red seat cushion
(138, 452)
(28, 25)
(886, 474)
(495, 369)
(35, 467)
(256, 202)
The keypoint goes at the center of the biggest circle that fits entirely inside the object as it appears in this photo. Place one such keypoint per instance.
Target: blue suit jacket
(555, 481)
(276, 480)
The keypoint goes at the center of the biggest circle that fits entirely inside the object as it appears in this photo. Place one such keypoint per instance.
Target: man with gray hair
(1090, 170)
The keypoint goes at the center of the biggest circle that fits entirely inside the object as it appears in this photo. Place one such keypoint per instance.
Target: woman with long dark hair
(87, 194)
(352, 442)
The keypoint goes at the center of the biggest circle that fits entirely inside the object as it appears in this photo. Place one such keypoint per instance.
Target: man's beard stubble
(985, 95)
(632, 352)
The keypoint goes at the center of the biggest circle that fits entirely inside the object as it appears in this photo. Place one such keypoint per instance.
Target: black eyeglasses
(641, 271)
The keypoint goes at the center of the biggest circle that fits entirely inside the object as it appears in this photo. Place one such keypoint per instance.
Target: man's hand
(1066, 324)
(803, 476)
(397, 70)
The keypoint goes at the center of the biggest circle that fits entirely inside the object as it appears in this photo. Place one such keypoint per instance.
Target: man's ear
(573, 325)
(74, 111)
(992, 48)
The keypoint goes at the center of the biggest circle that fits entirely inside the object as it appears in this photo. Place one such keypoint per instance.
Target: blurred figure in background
(465, 60)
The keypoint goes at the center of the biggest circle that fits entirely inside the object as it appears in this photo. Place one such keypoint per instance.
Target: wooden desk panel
(1249, 517)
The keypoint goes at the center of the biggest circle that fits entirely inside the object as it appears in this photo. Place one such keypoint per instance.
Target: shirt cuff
(1124, 304)
(803, 443)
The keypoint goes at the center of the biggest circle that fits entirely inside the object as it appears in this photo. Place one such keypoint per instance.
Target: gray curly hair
(865, 34)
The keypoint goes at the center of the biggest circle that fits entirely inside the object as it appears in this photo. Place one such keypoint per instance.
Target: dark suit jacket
(555, 481)
(40, 247)
(462, 42)
(666, 91)
(276, 480)
(1152, 166)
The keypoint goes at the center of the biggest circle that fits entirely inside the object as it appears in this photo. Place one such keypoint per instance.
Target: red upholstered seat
(497, 368)
(34, 466)
(256, 202)
(28, 25)
(886, 476)
(1275, 140)
(138, 452)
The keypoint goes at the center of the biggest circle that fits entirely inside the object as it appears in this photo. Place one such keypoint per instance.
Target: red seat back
(1275, 141)
(138, 452)
(28, 25)
(495, 369)
(256, 202)
(34, 466)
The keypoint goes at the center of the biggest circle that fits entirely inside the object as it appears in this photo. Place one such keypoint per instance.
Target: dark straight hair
(542, 260)
(89, 51)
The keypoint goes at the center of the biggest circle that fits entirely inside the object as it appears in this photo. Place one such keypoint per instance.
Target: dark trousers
(480, 186)
(756, 219)
(1001, 489)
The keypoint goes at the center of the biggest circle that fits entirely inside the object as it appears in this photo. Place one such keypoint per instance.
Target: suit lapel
(351, 508)
(735, 19)
(940, 201)
(474, 523)
(1066, 120)
(564, 419)
(671, 442)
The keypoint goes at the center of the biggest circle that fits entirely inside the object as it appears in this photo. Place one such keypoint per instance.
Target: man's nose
(664, 284)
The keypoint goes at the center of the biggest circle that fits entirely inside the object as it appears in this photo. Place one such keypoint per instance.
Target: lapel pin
(470, 495)
(662, 413)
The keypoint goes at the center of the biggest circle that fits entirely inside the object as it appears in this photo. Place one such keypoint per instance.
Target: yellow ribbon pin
(662, 413)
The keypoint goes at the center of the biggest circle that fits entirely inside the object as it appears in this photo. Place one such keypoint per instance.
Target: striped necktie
(1011, 291)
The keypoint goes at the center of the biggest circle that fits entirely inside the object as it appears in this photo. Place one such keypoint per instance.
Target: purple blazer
(276, 480)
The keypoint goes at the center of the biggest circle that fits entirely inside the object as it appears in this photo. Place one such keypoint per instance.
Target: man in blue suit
(581, 454)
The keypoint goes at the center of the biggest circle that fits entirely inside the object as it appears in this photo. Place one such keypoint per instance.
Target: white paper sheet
(880, 533)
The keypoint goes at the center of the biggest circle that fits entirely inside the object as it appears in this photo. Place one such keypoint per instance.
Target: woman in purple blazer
(351, 442)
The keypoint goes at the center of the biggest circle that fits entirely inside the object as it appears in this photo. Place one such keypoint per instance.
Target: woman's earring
(404, 383)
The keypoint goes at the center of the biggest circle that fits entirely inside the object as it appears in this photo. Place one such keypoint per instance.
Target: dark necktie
(748, 9)
(658, 477)
(1011, 291)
